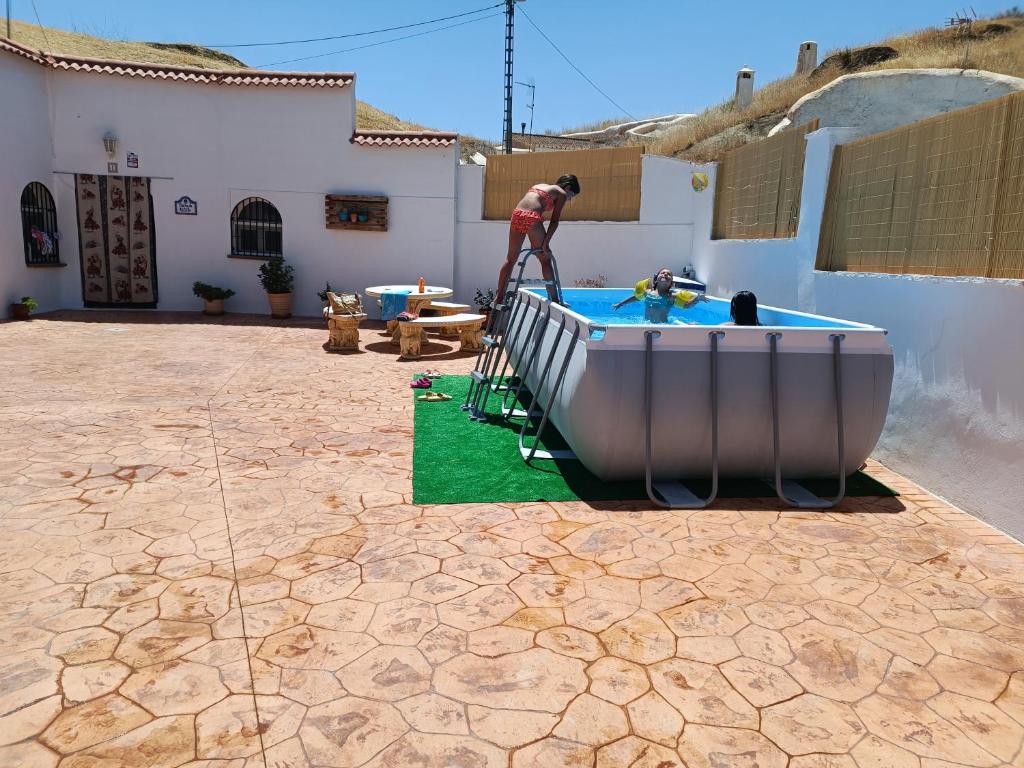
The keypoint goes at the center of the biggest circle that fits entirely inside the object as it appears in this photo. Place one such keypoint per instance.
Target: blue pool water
(596, 305)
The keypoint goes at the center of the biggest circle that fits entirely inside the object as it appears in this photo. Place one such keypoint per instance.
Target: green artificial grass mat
(458, 461)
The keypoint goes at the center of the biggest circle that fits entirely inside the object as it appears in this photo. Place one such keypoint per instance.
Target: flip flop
(421, 383)
(434, 397)
(432, 374)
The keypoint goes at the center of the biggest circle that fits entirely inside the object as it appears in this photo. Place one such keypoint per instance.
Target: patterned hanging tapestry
(115, 235)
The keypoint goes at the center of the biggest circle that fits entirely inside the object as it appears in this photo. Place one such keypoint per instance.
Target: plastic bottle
(422, 285)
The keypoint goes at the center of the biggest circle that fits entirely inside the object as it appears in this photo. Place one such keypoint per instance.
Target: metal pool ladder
(483, 380)
(790, 491)
(674, 494)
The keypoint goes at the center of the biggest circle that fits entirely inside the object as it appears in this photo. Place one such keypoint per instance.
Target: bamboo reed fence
(757, 187)
(609, 182)
(942, 196)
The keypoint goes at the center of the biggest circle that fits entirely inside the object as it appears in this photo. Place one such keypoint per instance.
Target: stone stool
(343, 332)
(469, 337)
(410, 340)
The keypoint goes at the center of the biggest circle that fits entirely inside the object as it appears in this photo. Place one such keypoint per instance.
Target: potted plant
(484, 300)
(22, 309)
(276, 278)
(213, 297)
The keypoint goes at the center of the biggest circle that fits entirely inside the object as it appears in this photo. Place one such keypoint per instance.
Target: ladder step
(537, 281)
(480, 377)
(489, 341)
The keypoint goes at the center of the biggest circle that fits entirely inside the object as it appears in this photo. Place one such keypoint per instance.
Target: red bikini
(524, 221)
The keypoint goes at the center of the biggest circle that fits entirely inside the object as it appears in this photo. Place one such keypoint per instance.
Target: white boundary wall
(956, 420)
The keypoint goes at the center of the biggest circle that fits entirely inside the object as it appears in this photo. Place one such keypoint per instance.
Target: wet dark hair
(743, 309)
(570, 182)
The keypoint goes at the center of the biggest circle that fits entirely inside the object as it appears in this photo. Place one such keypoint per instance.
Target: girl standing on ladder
(528, 221)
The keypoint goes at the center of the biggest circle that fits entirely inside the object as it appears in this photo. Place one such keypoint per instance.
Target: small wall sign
(186, 206)
(111, 167)
(133, 160)
(699, 181)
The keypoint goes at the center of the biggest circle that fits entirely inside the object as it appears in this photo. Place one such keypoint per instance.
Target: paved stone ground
(209, 558)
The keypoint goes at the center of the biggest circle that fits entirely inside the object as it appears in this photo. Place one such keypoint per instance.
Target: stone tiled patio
(209, 558)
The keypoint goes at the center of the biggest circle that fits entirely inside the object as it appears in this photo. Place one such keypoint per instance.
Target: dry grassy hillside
(179, 54)
(996, 45)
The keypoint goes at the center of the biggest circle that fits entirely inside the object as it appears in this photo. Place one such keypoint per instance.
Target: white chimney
(807, 58)
(744, 88)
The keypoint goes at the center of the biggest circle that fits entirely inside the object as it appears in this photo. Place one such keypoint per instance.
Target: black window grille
(39, 225)
(255, 229)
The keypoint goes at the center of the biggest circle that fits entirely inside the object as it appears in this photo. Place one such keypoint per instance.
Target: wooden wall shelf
(375, 207)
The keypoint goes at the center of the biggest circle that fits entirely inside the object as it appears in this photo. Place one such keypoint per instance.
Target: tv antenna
(963, 23)
(533, 98)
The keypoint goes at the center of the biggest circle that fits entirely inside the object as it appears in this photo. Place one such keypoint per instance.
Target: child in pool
(659, 296)
(743, 309)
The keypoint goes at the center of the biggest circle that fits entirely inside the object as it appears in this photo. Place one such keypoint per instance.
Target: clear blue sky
(651, 56)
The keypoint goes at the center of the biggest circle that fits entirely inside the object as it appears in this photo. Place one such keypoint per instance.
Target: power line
(353, 34)
(379, 42)
(40, 23)
(578, 70)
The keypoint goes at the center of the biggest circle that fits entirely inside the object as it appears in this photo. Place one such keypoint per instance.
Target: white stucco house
(237, 165)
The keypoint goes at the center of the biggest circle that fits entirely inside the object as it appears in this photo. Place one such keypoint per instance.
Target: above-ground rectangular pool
(599, 404)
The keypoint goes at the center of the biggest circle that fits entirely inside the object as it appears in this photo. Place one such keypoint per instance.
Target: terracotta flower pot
(213, 307)
(280, 305)
(19, 311)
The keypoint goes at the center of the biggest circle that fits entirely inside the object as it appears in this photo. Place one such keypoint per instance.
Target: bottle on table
(422, 285)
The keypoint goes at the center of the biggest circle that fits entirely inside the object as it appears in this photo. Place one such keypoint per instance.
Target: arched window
(39, 225)
(255, 229)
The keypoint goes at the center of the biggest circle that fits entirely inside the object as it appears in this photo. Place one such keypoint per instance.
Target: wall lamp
(110, 145)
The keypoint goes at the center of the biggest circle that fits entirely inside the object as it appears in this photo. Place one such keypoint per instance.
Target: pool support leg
(790, 491)
(675, 495)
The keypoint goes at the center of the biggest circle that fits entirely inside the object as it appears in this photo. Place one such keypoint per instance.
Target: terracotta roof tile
(404, 138)
(242, 77)
(19, 50)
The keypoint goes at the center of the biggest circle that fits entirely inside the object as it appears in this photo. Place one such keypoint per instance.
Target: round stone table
(414, 302)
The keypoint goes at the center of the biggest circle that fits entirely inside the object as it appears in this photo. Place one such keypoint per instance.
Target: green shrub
(211, 292)
(323, 294)
(484, 298)
(276, 276)
(29, 303)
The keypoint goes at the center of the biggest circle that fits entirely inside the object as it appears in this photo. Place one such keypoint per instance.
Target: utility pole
(510, 12)
(8, 19)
